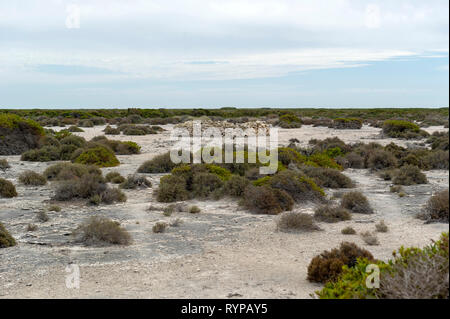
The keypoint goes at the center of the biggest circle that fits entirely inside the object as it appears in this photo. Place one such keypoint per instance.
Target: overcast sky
(215, 53)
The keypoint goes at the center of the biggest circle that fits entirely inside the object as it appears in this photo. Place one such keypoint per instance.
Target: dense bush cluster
(329, 264)
(347, 123)
(78, 181)
(289, 121)
(18, 134)
(412, 273)
(403, 129)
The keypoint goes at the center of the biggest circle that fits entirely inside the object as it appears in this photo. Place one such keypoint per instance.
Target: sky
(224, 53)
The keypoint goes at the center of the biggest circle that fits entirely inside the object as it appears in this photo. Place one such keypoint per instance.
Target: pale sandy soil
(223, 252)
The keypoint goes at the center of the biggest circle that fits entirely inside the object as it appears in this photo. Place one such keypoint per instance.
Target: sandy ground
(223, 252)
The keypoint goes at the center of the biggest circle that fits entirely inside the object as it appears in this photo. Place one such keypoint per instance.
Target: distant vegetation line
(230, 112)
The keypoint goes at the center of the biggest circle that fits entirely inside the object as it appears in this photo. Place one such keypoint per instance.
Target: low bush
(403, 129)
(289, 121)
(261, 200)
(42, 216)
(331, 214)
(159, 227)
(32, 178)
(348, 231)
(236, 185)
(54, 208)
(44, 154)
(68, 171)
(356, 202)
(328, 265)
(159, 164)
(6, 240)
(351, 160)
(4, 165)
(7, 189)
(381, 159)
(114, 177)
(295, 221)
(194, 209)
(396, 189)
(86, 123)
(347, 123)
(299, 187)
(75, 129)
(369, 238)
(437, 208)
(413, 273)
(436, 160)
(111, 131)
(32, 227)
(172, 189)
(409, 175)
(381, 227)
(135, 181)
(328, 177)
(205, 184)
(99, 156)
(102, 230)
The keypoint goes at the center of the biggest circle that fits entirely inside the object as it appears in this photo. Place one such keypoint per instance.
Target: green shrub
(328, 265)
(437, 208)
(296, 221)
(301, 188)
(18, 135)
(436, 160)
(86, 123)
(205, 184)
(7, 189)
(348, 231)
(347, 123)
(74, 129)
(111, 131)
(328, 177)
(100, 156)
(413, 273)
(194, 210)
(54, 208)
(44, 154)
(159, 164)
(6, 240)
(32, 178)
(356, 202)
(4, 165)
(289, 121)
(381, 159)
(114, 177)
(128, 148)
(236, 185)
(67, 171)
(261, 200)
(135, 181)
(351, 160)
(403, 129)
(74, 140)
(172, 189)
(331, 214)
(102, 230)
(409, 175)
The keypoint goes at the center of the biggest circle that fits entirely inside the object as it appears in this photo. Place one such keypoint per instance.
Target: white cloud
(253, 38)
